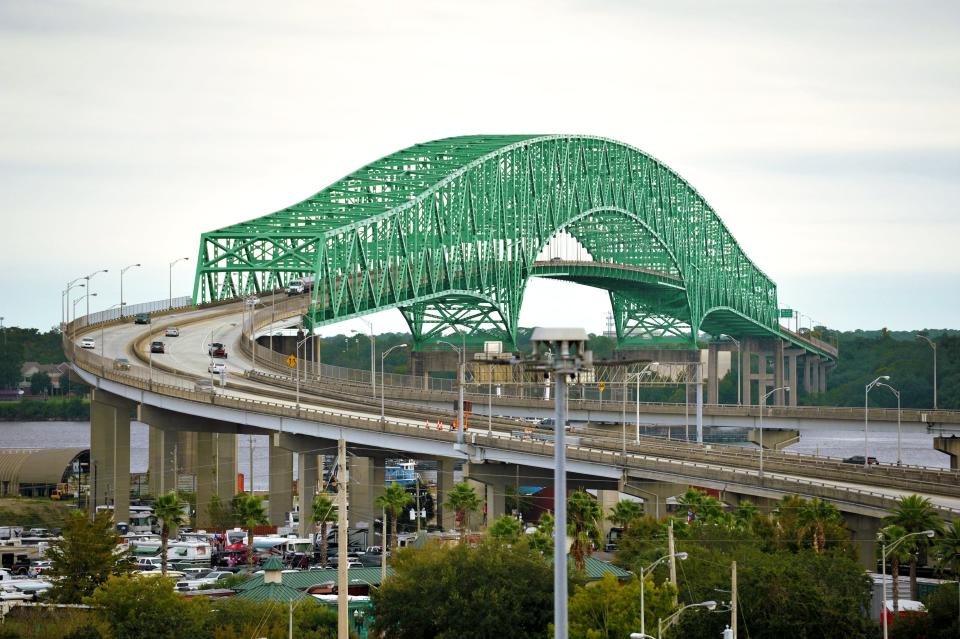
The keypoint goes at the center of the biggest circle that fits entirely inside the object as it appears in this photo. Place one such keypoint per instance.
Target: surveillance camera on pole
(562, 353)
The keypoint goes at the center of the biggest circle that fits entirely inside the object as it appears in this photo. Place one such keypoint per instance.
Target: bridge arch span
(449, 232)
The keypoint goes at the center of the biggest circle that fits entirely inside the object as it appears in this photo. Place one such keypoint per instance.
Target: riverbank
(57, 408)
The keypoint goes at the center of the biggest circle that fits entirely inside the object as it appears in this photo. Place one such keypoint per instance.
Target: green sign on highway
(786, 312)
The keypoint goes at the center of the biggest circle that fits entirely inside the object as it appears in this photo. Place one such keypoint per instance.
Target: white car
(88, 342)
(217, 368)
(172, 331)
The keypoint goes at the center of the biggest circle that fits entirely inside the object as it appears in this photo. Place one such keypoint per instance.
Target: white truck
(299, 286)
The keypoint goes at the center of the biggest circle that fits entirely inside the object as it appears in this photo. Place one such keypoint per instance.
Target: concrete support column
(822, 378)
(792, 379)
(863, 533)
(281, 482)
(206, 477)
(226, 447)
(778, 381)
(745, 374)
(110, 453)
(496, 498)
(713, 381)
(950, 446)
(155, 461)
(366, 484)
(607, 500)
(445, 516)
(307, 479)
(814, 375)
(186, 453)
(807, 385)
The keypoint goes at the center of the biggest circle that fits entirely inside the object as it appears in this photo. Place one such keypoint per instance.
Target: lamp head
(885, 377)
(929, 533)
(682, 556)
(710, 605)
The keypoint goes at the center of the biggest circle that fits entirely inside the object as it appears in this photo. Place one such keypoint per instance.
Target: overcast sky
(825, 134)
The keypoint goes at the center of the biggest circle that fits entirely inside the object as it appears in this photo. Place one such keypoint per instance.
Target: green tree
(323, 514)
(624, 512)
(916, 514)
(814, 518)
(168, 509)
(11, 362)
(148, 608)
(940, 622)
(394, 499)
(463, 500)
(220, 514)
(249, 512)
(583, 525)
(900, 553)
(466, 592)
(84, 557)
(947, 548)
(608, 610)
(704, 508)
(40, 384)
(506, 528)
(541, 540)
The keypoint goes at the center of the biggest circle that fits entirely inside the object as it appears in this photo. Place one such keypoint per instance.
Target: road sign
(292, 361)
(786, 312)
(601, 386)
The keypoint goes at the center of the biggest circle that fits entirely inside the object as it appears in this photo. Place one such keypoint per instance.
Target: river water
(916, 446)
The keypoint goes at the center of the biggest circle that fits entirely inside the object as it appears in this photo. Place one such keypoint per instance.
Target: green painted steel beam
(449, 232)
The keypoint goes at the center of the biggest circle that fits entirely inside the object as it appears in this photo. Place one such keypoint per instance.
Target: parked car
(156, 347)
(217, 349)
(142, 318)
(858, 459)
(172, 331)
(88, 342)
(217, 368)
(121, 364)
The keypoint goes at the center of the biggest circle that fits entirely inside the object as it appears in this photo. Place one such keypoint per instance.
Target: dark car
(217, 350)
(858, 459)
(156, 347)
(142, 318)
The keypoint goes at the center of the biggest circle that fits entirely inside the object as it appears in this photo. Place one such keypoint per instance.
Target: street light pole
(763, 404)
(642, 372)
(297, 351)
(170, 280)
(88, 278)
(643, 580)
(662, 624)
(897, 394)
(383, 393)
(65, 300)
(122, 271)
(883, 560)
(933, 345)
(866, 416)
(373, 361)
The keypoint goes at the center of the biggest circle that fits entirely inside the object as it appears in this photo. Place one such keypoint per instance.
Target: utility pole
(383, 547)
(733, 599)
(671, 550)
(343, 625)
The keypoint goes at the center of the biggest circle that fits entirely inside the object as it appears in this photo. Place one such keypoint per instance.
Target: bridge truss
(449, 232)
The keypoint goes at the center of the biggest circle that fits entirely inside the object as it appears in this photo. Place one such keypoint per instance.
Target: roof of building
(597, 569)
(37, 465)
(272, 592)
(273, 564)
(309, 578)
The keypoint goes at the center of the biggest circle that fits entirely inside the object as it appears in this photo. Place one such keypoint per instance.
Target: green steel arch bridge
(449, 232)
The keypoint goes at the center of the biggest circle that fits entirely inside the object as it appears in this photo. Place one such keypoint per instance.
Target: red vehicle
(217, 349)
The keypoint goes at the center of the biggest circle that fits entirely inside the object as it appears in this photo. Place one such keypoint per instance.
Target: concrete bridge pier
(446, 518)
(281, 481)
(110, 453)
(713, 367)
(863, 534)
(774, 438)
(309, 471)
(747, 348)
(495, 478)
(815, 370)
(218, 476)
(163, 447)
(367, 482)
(950, 446)
(653, 493)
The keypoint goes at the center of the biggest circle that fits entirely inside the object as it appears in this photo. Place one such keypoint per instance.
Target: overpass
(161, 391)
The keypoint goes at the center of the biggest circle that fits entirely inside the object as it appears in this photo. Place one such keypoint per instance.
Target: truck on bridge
(300, 286)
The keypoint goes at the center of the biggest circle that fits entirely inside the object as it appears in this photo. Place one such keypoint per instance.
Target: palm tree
(394, 499)
(745, 513)
(948, 548)
(168, 509)
(463, 501)
(583, 524)
(249, 512)
(323, 513)
(814, 517)
(915, 514)
(623, 513)
(902, 552)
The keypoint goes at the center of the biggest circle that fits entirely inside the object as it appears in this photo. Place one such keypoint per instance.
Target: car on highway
(216, 349)
(121, 364)
(156, 347)
(172, 331)
(142, 318)
(217, 368)
(88, 342)
(858, 459)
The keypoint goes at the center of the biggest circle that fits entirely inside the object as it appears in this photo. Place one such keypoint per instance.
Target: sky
(825, 134)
